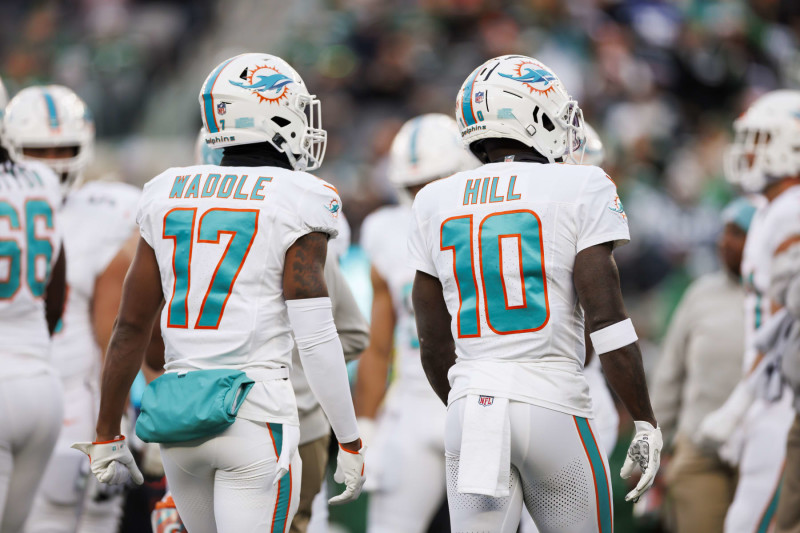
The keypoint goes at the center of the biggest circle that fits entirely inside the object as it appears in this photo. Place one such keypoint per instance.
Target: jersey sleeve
(318, 210)
(419, 252)
(601, 216)
(143, 216)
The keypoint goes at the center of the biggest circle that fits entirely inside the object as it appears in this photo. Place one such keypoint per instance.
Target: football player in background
(32, 292)
(52, 125)
(700, 364)
(512, 251)
(231, 310)
(750, 429)
(407, 439)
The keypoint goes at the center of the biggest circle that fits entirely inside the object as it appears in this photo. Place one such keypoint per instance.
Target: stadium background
(661, 81)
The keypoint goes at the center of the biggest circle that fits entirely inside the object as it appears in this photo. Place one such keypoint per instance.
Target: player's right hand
(718, 426)
(644, 451)
(111, 461)
(350, 471)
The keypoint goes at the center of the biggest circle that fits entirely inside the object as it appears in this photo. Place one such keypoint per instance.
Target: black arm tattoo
(304, 271)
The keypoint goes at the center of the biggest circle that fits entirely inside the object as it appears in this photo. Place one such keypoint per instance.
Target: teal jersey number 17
(179, 223)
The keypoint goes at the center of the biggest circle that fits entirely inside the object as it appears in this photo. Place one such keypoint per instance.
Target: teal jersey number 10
(524, 228)
(36, 248)
(179, 223)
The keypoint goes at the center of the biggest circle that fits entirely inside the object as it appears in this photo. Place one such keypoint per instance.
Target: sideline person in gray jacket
(700, 364)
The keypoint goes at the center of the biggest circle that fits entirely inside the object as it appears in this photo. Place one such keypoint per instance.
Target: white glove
(366, 429)
(111, 461)
(718, 426)
(350, 471)
(291, 441)
(645, 451)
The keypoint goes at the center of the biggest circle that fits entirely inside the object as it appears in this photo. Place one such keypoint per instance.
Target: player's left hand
(645, 451)
(350, 471)
(111, 461)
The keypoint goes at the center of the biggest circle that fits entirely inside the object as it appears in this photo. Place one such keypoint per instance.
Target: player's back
(220, 235)
(29, 246)
(503, 239)
(95, 220)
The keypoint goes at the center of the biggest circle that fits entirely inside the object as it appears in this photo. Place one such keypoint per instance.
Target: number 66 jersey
(502, 239)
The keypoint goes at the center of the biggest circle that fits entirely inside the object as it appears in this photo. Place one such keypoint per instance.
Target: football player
(32, 290)
(751, 427)
(512, 251)
(314, 427)
(53, 126)
(237, 251)
(407, 469)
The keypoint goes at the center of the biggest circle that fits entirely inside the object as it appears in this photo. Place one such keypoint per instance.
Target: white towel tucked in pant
(485, 464)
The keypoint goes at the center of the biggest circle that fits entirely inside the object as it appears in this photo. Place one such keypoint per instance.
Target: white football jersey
(772, 224)
(502, 239)
(95, 220)
(220, 235)
(30, 241)
(383, 235)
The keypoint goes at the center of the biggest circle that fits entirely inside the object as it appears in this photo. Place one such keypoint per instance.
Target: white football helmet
(203, 153)
(50, 116)
(518, 97)
(254, 98)
(593, 152)
(766, 146)
(426, 148)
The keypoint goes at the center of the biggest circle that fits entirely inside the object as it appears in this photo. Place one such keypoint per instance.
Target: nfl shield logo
(479, 97)
(485, 401)
(221, 108)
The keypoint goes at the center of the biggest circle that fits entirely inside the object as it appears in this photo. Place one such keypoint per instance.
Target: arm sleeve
(350, 322)
(601, 216)
(323, 362)
(419, 253)
(670, 374)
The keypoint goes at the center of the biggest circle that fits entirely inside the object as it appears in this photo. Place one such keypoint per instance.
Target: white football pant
(606, 420)
(223, 484)
(70, 499)
(406, 463)
(766, 427)
(558, 470)
(30, 419)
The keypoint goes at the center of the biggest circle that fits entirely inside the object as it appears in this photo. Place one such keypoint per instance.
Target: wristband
(613, 337)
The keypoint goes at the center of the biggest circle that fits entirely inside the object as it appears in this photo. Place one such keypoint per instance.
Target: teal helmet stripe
(52, 115)
(413, 154)
(466, 100)
(208, 99)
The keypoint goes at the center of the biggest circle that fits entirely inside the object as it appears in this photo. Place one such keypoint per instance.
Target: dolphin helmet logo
(533, 76)
(268, 87)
